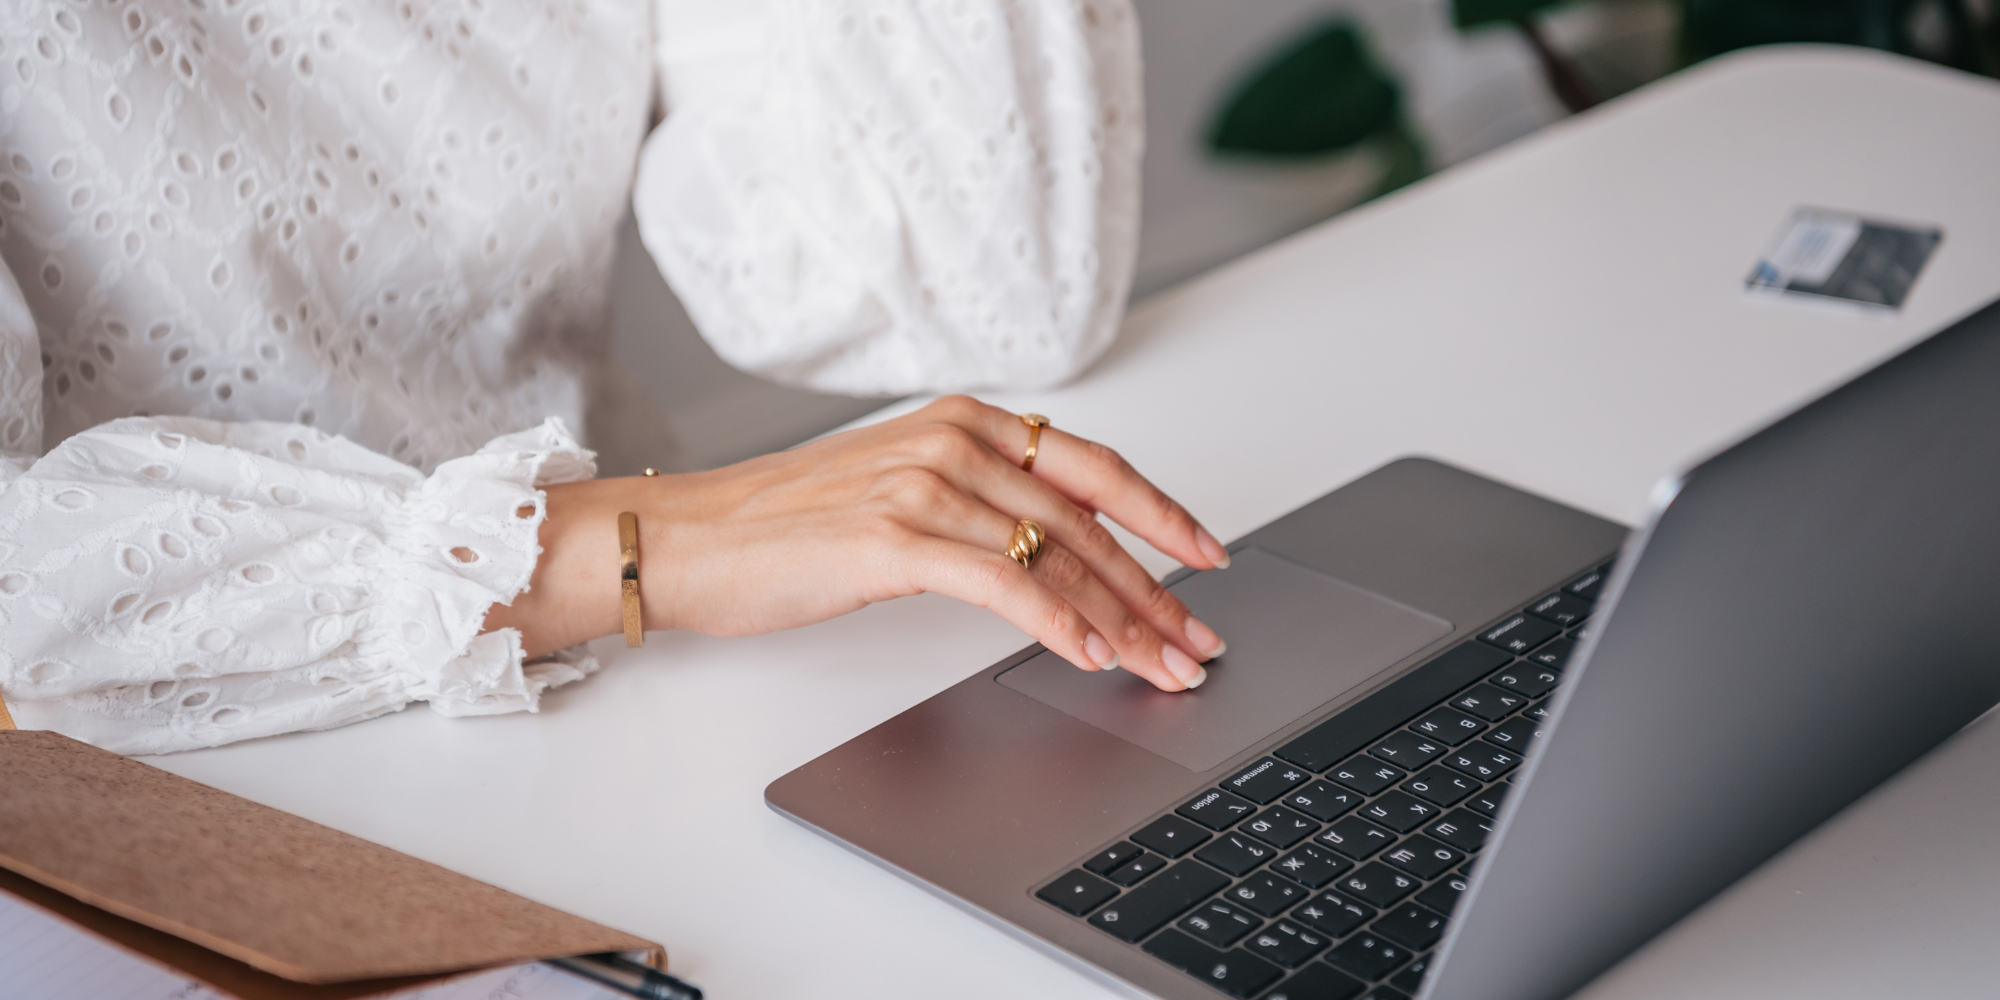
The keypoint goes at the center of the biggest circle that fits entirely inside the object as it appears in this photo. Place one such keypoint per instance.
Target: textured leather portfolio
(253, 901)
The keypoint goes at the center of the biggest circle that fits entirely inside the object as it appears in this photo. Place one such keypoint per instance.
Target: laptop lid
(1808, 612)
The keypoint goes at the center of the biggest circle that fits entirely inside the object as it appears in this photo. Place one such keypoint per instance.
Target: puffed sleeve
(170, 583)
(874, 198)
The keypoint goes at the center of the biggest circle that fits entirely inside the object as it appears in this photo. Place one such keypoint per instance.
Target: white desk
(1566, 315)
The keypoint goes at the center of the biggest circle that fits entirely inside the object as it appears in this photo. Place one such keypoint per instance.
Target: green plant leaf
(1318, 95)
(1473, 13)
(1712, 27)
(1989, 42)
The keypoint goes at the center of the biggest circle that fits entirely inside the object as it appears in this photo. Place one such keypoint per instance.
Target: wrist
(573, 595)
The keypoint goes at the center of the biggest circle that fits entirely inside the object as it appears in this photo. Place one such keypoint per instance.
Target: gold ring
(1035, 422)
(1027, 544)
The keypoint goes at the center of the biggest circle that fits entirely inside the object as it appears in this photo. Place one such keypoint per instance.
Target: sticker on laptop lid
(1829, 254)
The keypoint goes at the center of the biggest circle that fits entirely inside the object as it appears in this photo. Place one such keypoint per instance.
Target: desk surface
(1566, 314)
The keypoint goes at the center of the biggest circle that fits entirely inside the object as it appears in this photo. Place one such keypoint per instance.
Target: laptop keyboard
(1328, 869)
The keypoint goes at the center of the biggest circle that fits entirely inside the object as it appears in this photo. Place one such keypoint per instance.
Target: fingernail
(1211, 548)
(1182, 666)
(1100, 652)
(1204, 638)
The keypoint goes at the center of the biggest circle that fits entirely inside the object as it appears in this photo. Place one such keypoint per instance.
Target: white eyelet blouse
(301, 298)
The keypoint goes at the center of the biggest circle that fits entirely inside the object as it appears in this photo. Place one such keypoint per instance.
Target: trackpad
(1297, 640)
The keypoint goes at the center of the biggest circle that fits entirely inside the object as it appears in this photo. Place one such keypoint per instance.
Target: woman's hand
(924, 502)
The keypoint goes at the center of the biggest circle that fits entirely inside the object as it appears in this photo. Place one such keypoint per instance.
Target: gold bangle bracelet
(628, 577)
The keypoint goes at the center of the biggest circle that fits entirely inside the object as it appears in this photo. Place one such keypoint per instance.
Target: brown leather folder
(254, 902)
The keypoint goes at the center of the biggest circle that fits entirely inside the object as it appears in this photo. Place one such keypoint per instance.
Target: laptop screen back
(1814, 609)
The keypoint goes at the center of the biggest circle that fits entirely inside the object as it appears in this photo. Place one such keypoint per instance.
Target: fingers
(1093, 477)
(1001, 486)
(994, 582)
(1118, 636)
(1139, 648)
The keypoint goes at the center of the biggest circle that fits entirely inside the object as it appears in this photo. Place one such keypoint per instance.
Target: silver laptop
(1456, 751)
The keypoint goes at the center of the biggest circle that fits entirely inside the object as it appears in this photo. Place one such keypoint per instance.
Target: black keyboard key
(1588, 585)
(1377, 884)
(1280, 827)
(1423, 857)
(1440, 786)
(1411, 979)
(1561, 609)
(1286, 943)
(1338, 738)
(1516, 733)
(1385, 993)
(1553, 656)
(1463, 829)
(1483, 760)
(1445, 893)
(1237, 973)
(1323, 801)
(1266, 894)
(1312, 866)
(1218, 923)
(1331, 914)
(1077, 893)
(1318, 982)
(1367, 775)
(1171, 836)
(1267, 779)
(1539, 711)
(1520, 633)
(1411, 926)
(1355, 837)
(1367, 956)
(1216, 809)
(1489, 702)
(1407, 749)
(1113, 857)
(1236, 853)
(1448, 725)
(1487, 803)
(1527, 680)
(1157, 900)
(1398, 812)
(1136, 870)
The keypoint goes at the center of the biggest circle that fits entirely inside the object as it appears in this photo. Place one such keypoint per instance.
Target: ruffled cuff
(466, 539)
(171, 583)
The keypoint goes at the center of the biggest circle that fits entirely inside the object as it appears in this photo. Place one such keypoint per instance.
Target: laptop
(1468, 743)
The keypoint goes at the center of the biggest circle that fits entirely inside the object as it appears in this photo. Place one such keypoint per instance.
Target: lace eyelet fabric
(300, 300)
(194, 581)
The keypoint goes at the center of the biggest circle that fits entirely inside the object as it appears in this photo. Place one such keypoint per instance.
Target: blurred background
(1264, 118)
